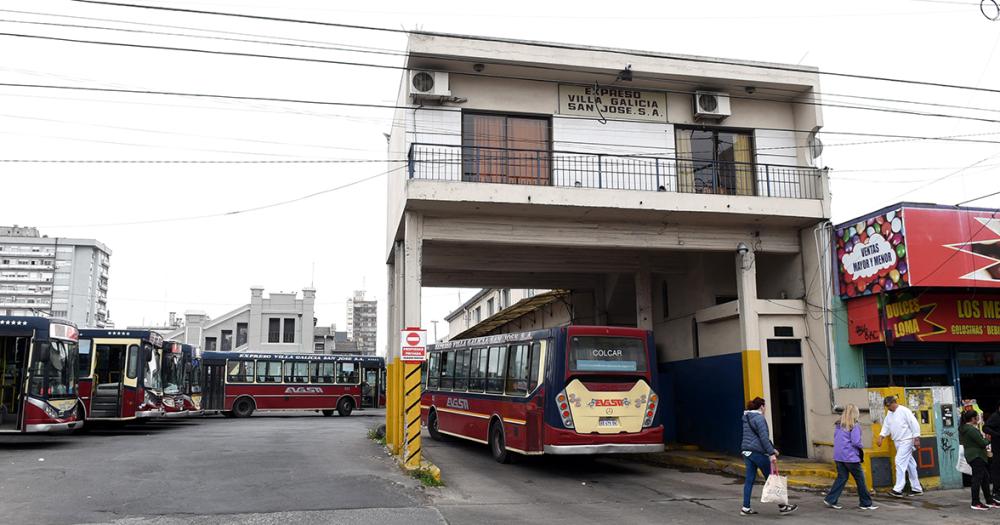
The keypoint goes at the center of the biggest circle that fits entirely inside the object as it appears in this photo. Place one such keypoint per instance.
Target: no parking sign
(413, 345)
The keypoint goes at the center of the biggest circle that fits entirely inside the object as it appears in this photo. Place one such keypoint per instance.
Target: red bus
(173, 377)
(237, 384)
(191, 389)
(38, 385)
(568, 390)
(120, 376)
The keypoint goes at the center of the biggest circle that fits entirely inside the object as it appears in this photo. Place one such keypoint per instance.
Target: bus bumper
(173, 415)
(156, 412)
(604, 448)
(54, 427)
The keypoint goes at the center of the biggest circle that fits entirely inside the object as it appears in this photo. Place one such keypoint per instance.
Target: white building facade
(673, 193)
(56, 277)
(277, 323)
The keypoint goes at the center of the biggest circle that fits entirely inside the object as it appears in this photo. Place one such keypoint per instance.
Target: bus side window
(347, 374)
(84, 357)
(475, 374)
(296, 372)
(448, 370)
(268, 371)
(462, 369)
(132, 370)
(321, 372)
(495, 369)
(536, 356)
(434, 371)
(517, 370)
(239, 371)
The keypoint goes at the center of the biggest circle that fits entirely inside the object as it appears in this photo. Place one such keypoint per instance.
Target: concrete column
(256, 325)
(397, 302)
(390, 311)
(746, 288)
(644, 295)
(306, 328)
(413, 260)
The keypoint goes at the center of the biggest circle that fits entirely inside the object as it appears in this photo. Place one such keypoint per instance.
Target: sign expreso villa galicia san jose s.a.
(612, 102)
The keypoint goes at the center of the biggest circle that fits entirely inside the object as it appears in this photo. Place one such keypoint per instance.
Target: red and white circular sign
(413, 339)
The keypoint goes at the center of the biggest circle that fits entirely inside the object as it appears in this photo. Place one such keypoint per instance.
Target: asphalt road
(264, 469)
(306, 469)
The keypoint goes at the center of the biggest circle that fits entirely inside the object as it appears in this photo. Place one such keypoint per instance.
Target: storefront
(921, 285)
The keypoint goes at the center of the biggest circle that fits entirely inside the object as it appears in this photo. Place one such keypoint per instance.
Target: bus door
(213, 386)
(113, 370)
(13, 356)
(370, 386)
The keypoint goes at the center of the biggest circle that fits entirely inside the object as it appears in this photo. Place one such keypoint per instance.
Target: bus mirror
(147, 353)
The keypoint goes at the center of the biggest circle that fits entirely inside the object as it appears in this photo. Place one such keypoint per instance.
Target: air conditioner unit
(711, 105)
(428, 85)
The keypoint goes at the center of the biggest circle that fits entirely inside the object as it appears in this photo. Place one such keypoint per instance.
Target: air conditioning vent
(711, 105)
(429, 85)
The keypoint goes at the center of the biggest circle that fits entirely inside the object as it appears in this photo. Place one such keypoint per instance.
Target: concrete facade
(328, 340)
(724, 273)
(51, 276)
(277, 323)
(362, 322)
(482, 305)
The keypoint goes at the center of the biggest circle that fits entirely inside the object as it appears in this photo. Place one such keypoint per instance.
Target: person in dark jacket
(975, 453)
(848, 454)
(758, 453)
(992, 430)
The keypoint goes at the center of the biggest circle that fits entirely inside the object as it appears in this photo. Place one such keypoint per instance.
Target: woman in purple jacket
(848, 453)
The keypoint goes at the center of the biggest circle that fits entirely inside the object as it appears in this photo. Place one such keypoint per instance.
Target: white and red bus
(38, 385)
(237, 384)
(120, 377)
(191, 389)
(174, 379)
(568, 390)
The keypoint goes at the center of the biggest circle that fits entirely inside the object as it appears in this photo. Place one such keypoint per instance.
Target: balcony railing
(621, 172)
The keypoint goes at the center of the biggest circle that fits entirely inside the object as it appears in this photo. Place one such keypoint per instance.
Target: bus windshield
(607, 354)
(55, 376)
(173, 374)
(152, 379)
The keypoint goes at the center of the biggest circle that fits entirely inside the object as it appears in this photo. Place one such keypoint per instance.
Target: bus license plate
(607, 422)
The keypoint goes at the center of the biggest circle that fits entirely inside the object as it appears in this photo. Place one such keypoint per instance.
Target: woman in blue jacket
(848, 453)
(758, 453)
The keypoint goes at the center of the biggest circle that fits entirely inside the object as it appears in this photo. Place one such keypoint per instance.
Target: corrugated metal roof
(514, 311)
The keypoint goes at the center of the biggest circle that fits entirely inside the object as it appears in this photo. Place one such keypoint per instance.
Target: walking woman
(975, 453)
(758, 453)
(848, 453)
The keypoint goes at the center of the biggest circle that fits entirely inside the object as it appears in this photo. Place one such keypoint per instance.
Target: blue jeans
(754, 461)
(854, 469)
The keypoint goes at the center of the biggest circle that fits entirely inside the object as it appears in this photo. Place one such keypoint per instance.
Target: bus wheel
(328, 413)
(345, 406)
(498, 445)
(243, 408)
(432, 426)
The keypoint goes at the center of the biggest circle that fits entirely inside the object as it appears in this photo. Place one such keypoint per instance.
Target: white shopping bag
(963, 465)
(775, 488)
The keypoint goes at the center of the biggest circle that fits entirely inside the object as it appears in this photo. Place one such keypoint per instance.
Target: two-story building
(674, 193)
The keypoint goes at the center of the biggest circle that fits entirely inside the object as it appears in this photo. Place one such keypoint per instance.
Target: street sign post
(413, 345)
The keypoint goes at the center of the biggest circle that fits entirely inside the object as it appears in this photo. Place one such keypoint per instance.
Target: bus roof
(21, 325)
(493, 339)
(222, 356)
(146, 335)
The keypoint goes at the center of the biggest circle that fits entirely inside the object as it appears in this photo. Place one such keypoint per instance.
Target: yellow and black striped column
(411, 414)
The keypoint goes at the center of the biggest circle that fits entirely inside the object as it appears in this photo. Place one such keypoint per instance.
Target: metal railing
(600, 170)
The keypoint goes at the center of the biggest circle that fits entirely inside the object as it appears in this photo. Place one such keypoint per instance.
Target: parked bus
(120, 377)
(38, 385)
(192, 380)
(568, 390)
(237, 384)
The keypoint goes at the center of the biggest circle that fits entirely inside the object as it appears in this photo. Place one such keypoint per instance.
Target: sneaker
(832, 505)
(993, 505)
(980, 506)
(895, 494)
(787, 509)
(916, 493)
(868, 507)
(747, 511)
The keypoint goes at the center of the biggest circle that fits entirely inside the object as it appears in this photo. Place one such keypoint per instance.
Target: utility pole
(435, 323)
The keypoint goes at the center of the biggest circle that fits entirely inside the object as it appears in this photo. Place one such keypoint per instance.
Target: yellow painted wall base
(753, 377)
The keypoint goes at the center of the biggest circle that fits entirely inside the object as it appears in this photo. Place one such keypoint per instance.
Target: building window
(504, 298)
(784, 348)
(227, 340)
(500, 148)
(210, 344)
(274, 330)
(289, 331)
(489, 307)
(241, 334)
(478, 315)
(318, 347)
(715, 161)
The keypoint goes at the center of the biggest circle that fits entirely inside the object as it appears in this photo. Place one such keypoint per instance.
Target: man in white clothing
(902, 425)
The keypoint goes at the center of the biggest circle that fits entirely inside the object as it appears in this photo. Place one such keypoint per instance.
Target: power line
(186, 161)
(552, 45)
(384, 51)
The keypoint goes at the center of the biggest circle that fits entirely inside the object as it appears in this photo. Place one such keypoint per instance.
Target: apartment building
(53, 276)
(329, 340)
(280, 322)
(674, 193)
(362, 322)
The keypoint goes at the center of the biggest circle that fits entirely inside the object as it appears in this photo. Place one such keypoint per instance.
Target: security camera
(742, 249)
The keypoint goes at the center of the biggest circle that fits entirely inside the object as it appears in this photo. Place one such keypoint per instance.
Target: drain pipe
(821, 234)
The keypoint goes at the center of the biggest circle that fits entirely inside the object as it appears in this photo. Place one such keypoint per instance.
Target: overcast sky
(335, 241)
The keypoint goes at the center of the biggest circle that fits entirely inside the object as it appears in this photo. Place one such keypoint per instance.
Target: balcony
(620, 172)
